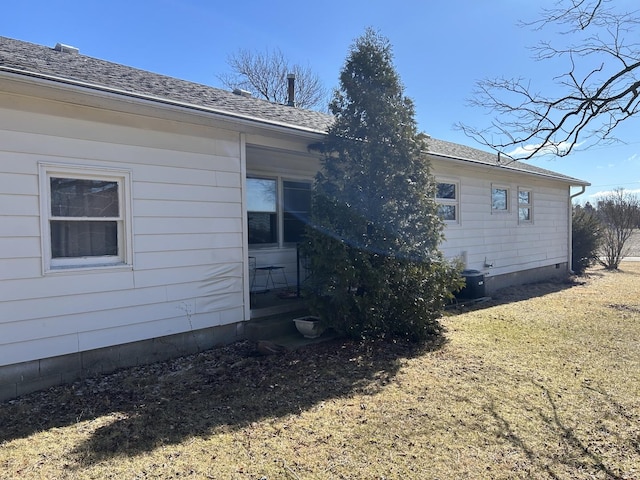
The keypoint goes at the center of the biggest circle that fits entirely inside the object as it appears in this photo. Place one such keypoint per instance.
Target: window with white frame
(499, 198)
(275, 219)
(85, 220)
(448, 200)
(525, 205)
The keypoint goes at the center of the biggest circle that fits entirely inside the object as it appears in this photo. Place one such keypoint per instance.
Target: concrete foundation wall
(26, 377)
(534, 275)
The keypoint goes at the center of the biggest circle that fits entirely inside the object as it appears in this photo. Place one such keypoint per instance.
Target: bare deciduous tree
(600, 87)
(619, 213)
(264, 74)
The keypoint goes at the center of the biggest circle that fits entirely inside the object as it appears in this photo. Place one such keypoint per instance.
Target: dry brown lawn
(541, 382)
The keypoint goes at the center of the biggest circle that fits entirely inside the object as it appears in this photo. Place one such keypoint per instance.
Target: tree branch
(264, 74)
(599, 90)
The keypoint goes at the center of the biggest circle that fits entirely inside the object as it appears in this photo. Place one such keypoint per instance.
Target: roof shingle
(30, 59)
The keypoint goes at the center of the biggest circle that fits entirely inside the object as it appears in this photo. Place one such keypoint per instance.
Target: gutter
(487, 165)
(41, 79)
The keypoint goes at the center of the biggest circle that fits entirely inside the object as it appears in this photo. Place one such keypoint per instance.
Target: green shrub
(586, 238)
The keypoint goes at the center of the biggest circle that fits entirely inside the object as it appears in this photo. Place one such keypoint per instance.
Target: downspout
(570, 246)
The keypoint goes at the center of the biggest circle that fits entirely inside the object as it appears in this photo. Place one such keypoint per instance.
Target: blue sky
(441, 49)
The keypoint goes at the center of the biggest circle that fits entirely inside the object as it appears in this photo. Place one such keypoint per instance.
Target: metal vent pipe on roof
(291, 84)
(241, 92)
(61, 47)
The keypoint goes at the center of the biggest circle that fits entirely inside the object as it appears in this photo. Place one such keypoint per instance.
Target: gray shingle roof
(30, 59)
(462, 152)
(37, 59)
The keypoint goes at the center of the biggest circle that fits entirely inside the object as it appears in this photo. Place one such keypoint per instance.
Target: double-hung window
(85, 220)
(448, 200)
(525, 206)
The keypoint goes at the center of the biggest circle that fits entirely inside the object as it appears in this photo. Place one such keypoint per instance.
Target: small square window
(499, 199)
(524, 214)
(446, 191)
(447, 212)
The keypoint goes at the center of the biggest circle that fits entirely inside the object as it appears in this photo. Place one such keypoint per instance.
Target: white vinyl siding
(184, 175)
(488, 237)
(184, 268)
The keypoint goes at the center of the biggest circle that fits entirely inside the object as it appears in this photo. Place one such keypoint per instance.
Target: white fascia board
(574, 182)
(239, 121)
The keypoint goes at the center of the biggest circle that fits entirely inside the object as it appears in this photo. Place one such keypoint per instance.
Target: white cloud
(520, 151)
(604, 193)
(550, 148)
(601, 194)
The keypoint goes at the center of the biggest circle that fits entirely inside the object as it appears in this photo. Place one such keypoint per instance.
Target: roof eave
(563, 178)
(41, 78)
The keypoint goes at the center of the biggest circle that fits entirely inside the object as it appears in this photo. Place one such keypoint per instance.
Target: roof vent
(242, 93)
(61, 47)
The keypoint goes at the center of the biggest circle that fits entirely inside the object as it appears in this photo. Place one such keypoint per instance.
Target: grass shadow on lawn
(227, 388)
(576, 456)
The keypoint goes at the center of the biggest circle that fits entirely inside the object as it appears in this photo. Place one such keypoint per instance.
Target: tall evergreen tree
(373, 246)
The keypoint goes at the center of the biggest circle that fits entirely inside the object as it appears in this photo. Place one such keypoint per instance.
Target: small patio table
(269, 269)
